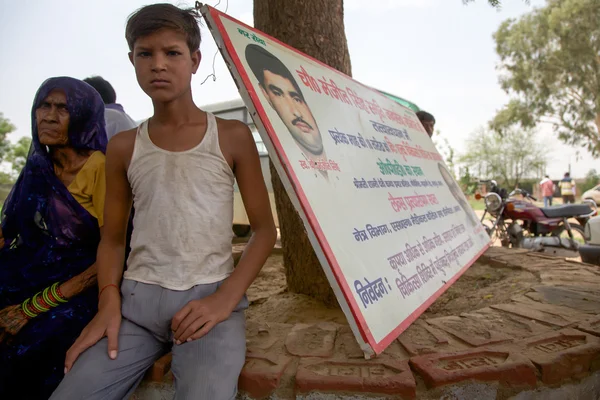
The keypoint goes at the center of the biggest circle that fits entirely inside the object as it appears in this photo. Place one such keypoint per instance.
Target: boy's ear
(196, 57)
(131, 57)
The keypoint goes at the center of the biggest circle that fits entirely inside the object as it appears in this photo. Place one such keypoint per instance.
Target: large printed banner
(389, 224)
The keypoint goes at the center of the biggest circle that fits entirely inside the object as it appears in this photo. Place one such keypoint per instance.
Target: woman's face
(52, 119)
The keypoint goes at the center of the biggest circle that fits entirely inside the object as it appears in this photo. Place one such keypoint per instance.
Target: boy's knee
(213, 378)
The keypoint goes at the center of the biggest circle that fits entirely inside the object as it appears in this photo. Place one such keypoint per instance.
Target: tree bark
(315, 27)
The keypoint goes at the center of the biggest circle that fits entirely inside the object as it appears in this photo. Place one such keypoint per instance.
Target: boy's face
(163, 64)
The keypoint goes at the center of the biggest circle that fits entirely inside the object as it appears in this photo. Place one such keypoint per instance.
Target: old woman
(50, 230)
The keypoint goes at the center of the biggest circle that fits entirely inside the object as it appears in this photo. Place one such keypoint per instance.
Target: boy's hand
(198, 317)
(106, 323)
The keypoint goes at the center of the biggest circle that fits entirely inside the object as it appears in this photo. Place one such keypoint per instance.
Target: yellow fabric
(89, 186)
(566, 187)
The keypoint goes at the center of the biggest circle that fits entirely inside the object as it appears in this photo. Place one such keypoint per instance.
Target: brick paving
(549, 336)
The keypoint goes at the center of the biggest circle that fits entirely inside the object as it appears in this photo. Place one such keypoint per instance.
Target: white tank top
(183, 213)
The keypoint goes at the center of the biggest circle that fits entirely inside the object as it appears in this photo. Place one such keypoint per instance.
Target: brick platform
(543, 340)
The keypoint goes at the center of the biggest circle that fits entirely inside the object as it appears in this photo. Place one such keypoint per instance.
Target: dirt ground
(270, 301)
(481, 285)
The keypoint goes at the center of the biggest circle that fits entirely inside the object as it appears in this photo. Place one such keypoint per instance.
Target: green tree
(5, 179)
(550, 65)
(592, 178)
(468, 182)
(5, 128)
(17, 155)
(509, 158)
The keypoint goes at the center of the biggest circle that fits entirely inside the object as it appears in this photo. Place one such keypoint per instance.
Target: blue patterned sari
(49, 238)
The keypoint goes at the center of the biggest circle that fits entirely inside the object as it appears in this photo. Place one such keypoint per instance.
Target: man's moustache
(294, 122)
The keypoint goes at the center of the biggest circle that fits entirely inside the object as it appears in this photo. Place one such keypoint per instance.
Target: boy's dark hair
(155, 17)
(261, 60)
(425, 116)
(102, 86)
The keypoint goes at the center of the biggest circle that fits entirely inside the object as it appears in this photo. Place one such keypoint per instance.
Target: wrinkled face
(52, 119)
(293, 111)
(164, 65)
(428, 125)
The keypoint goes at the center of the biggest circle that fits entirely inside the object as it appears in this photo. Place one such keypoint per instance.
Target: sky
(438, 54)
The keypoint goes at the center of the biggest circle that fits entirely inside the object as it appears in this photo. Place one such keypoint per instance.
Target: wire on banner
(197, 6)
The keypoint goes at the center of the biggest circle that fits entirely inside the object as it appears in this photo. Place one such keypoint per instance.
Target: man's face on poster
(293, 111)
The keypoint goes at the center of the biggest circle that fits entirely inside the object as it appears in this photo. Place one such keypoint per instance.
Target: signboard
(389, 224)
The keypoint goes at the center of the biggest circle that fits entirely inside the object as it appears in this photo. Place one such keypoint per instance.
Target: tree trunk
(315, 27)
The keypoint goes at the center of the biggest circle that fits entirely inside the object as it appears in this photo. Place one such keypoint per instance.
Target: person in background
(428, 121)
(547, 188)
(114, 115)
(51, 225)
(567, 189)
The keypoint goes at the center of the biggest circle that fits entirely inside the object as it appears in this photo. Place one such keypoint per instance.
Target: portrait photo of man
(458, 195)
(283, 94)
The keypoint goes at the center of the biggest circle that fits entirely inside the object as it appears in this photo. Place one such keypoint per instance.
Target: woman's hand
(12, 320)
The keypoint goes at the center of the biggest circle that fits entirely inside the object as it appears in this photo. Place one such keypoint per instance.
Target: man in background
(567, 189)
(427, 120)
(547, 188)
(114, 115)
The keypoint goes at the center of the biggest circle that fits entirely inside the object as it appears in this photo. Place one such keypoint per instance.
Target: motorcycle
(522, 224)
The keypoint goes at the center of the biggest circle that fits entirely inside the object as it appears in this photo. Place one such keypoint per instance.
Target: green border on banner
(400, 100)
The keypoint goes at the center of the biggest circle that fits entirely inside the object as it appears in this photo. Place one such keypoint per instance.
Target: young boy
(180, 291)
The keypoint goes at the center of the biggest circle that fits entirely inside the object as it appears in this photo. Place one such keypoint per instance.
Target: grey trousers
(204, 369)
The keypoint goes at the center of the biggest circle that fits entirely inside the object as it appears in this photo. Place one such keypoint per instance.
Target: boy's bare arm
(111, 251)
(117, 208)
(254, 193)
(200, 316)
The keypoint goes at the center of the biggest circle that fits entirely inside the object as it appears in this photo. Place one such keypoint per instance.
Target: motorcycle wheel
(578, 233)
